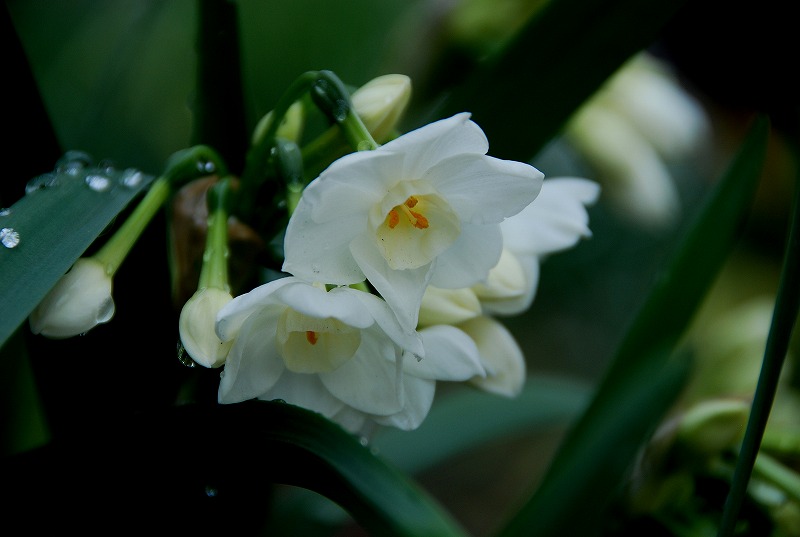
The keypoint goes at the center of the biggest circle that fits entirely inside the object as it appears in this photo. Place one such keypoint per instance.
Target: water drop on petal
(98, 183)
(9, 237)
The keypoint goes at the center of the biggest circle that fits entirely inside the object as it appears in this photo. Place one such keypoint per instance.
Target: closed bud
(381, 102)
(79, 301)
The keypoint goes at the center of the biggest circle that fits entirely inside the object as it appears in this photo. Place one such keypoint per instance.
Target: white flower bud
(196, 327)
(448, 306)
(79, 301)
(380, 103)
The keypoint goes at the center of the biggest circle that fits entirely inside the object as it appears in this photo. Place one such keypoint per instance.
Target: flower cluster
(396, 260)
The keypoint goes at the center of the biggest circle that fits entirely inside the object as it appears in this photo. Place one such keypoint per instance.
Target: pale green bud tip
(712, 426)
(381, 102)
(79, 301)
(291, 127)
(196, 327)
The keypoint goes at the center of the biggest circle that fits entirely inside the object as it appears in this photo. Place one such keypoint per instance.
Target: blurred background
(117, 80)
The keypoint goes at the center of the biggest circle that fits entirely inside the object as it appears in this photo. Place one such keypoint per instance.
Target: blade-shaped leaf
(642, 381)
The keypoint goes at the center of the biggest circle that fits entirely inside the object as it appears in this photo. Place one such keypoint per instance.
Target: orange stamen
(393, 218)
(416, 219)
(311, 336)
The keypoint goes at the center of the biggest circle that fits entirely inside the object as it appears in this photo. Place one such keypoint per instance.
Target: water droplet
(73, 163)
(9, 237)
(363, 440)
(340, 110)
(131, 178)
(46, 180)
(98, 183)
(314, 268)
(5, 211)
(206, 166)
(106, 311)
(183, 356)
(106, 167)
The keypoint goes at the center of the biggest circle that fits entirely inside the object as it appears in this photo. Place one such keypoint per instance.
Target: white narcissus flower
(341, 353)
(423, 209)
(555, 221)
(196, 326)
(79, 301)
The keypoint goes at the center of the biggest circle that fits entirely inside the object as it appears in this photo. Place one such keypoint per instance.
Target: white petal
(340, 303)
(434, 142)
(231, 317)
(419, 398)
(450, 354)
(253, 365)
(501, 356)
(368, 382)
(402, 289)
(471, 257)
(306, 391)
(483, 190)
(352, 184)
(319, 252)
(556, 219)
(379, 310)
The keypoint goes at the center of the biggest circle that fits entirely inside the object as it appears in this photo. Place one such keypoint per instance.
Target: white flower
(555, 221)
(380, 103)
(424, 208)
(341, 353)
(79, 301)
(196, 326)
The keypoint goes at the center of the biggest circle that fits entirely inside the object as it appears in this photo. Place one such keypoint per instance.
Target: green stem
(258, 154)
(114, 251)
(783, 320)
(214, 272)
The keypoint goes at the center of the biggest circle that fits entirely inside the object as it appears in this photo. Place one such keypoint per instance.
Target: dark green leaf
(645, 376)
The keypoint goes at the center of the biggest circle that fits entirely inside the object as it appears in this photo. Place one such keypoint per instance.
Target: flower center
(312, 345)
(414, 218)
(411, 233)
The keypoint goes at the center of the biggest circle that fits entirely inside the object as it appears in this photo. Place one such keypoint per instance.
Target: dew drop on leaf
(9, 237)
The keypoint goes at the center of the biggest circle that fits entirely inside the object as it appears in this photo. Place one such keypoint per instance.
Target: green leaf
(163, 461)
(55, 225)
(646, 375)
(522, 98)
